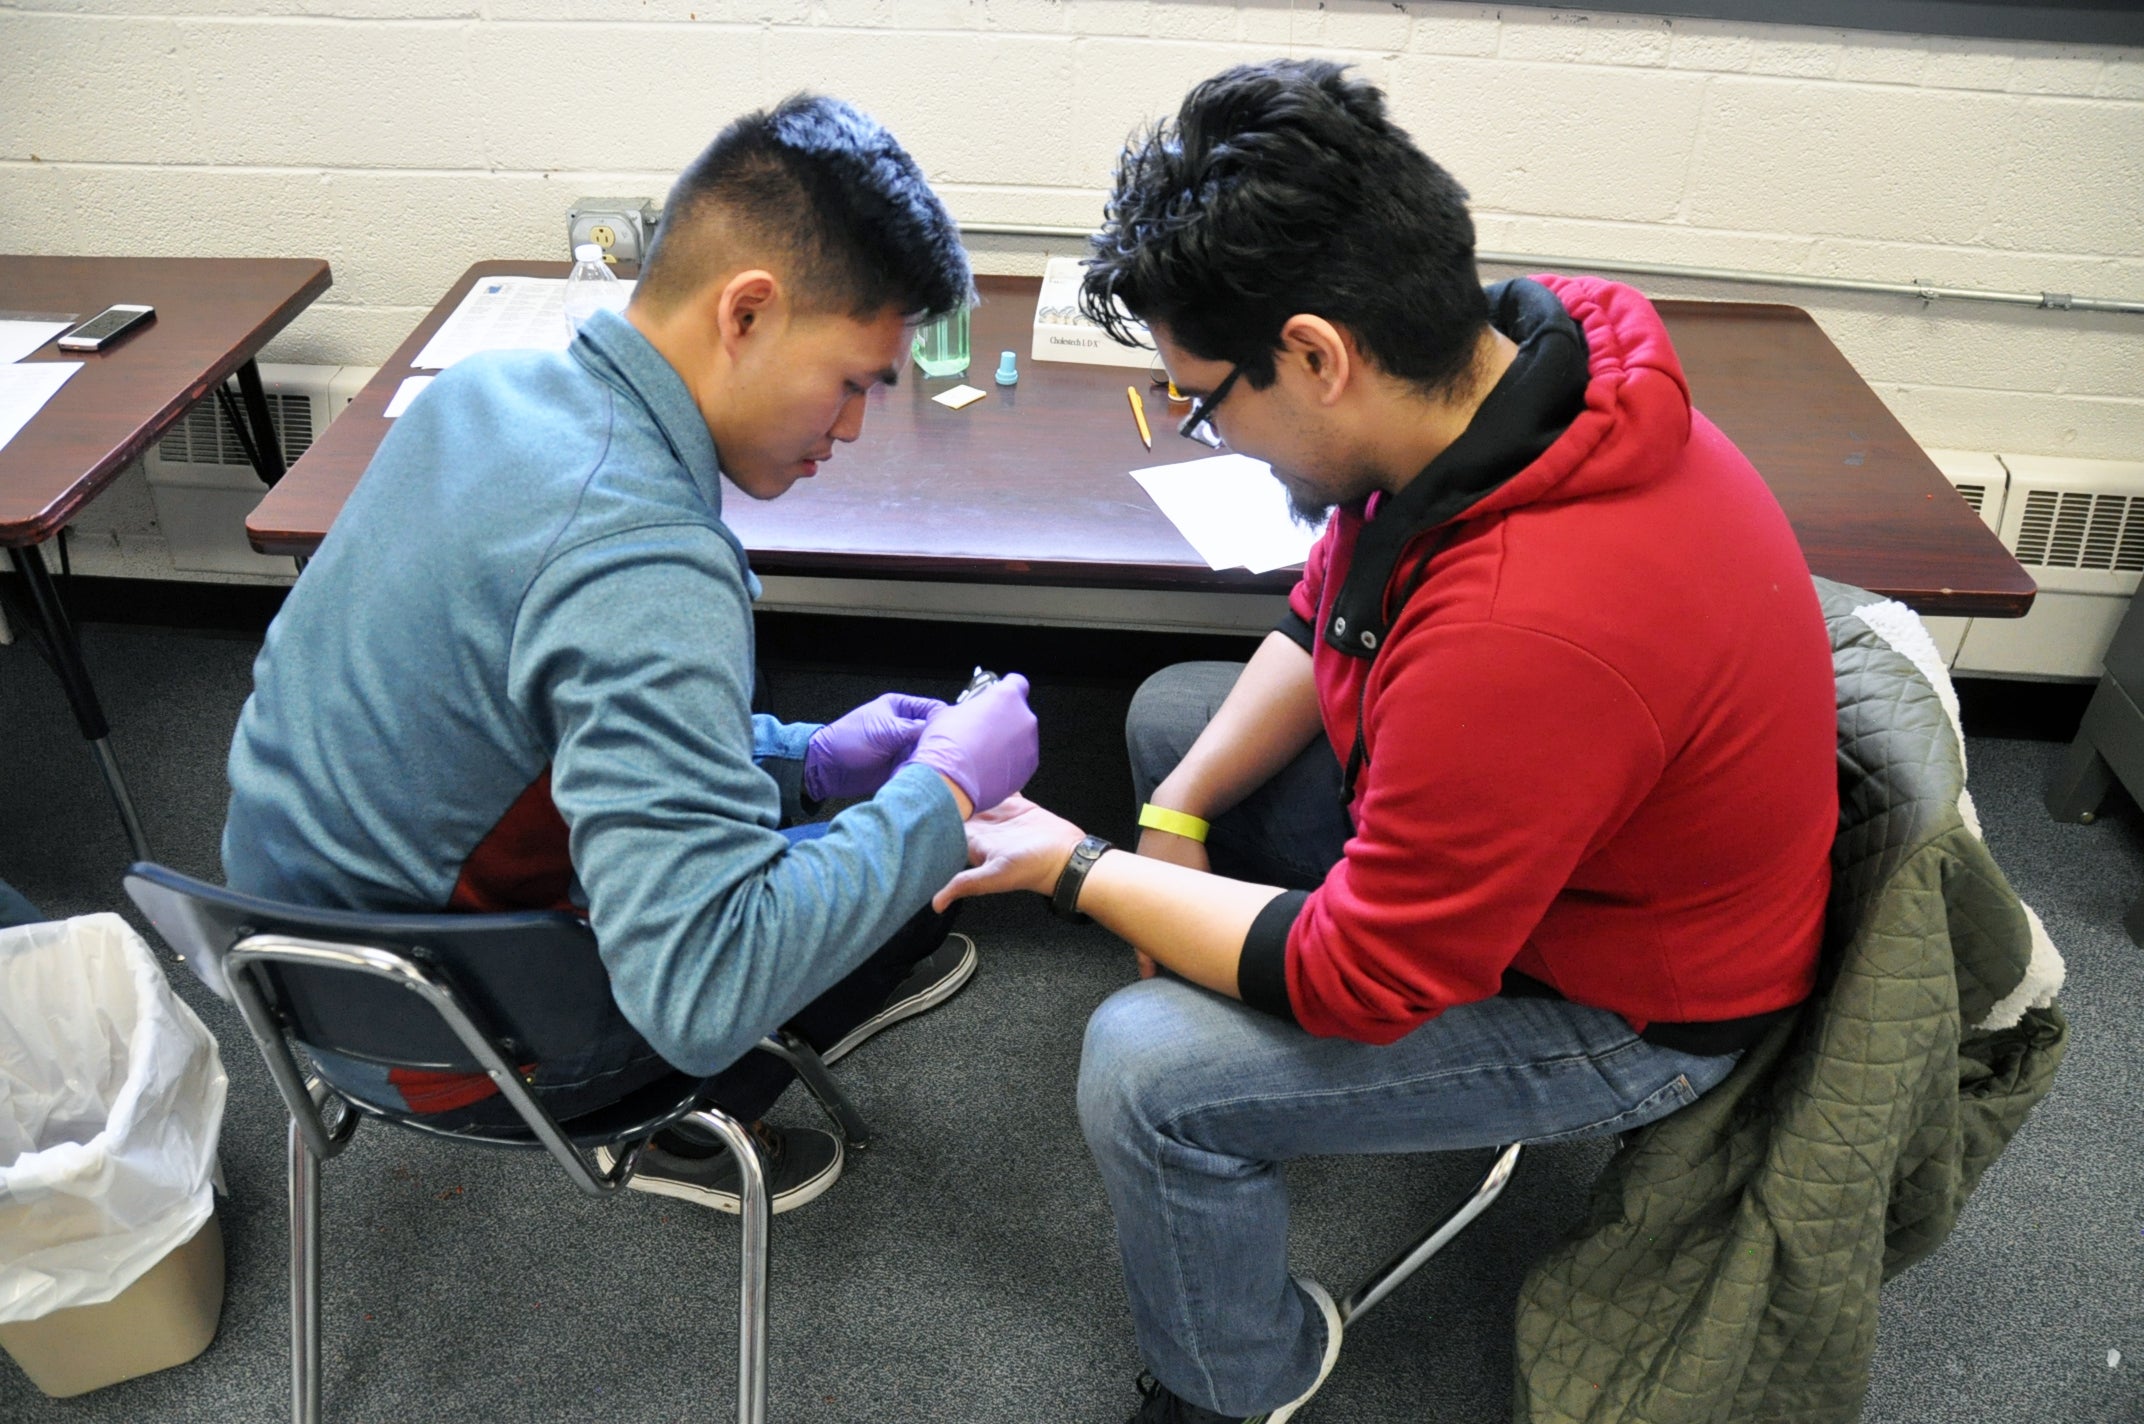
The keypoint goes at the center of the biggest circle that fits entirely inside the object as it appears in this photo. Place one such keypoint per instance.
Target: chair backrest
(479, 995)
(533, 980)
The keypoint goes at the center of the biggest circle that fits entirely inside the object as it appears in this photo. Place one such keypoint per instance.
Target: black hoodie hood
(1532, 403)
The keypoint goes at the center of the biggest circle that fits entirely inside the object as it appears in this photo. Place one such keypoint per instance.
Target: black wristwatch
(1064, 900)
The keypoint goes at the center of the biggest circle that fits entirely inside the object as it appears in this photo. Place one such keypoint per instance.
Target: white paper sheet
(959, 397)
(1230, 509)
(19, 338)
(504, 314)
(408, 391)
(25, 386)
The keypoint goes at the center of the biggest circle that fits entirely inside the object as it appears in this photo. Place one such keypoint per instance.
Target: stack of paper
(1232, 510)
(25, 387)
(409, 390)
(19, 336)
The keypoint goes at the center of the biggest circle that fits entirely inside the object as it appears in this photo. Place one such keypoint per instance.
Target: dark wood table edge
(1049, 573)
(96, 480)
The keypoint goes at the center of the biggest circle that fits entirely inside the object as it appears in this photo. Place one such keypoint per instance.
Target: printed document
(1232, 510)
(504, 314)
(25, 386)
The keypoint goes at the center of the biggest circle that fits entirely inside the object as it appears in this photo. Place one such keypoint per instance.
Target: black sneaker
(1159, 1405)
(936, 978)
(800, 1163)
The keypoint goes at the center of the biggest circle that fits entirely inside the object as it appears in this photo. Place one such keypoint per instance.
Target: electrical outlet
(620, 226)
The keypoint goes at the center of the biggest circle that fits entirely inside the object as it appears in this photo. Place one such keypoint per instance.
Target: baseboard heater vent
(205, 437)
(2072, 529)
(2078, 528)
(204, 486)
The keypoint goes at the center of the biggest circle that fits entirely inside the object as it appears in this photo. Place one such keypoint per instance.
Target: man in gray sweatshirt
(519, 672)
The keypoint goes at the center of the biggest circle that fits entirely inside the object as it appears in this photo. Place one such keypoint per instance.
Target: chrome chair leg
(304, 1280)
(1386, 1278)
(813, 1070)
(752, 1263)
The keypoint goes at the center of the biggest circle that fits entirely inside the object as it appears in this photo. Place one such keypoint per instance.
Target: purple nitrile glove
(855, 753)
(987, 746)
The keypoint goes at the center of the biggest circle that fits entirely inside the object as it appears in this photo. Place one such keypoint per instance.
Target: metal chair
(457, 994)
(1387, 1278)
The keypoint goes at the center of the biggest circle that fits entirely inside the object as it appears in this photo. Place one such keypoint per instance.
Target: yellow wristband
(1176, 823)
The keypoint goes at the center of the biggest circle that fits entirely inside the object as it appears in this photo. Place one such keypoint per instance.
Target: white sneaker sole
(808, 1190)
(885, 1018)
(1332, 1351)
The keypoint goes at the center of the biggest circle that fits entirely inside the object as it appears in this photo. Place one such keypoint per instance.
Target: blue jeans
(14, 909)
(1190, 1101)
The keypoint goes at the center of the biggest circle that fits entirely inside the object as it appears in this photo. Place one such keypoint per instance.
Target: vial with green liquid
(941, 346)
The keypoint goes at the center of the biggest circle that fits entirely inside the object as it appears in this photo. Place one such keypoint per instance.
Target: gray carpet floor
(964, 1268)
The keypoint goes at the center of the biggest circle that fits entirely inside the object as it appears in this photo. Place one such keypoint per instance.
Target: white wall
(404, 139)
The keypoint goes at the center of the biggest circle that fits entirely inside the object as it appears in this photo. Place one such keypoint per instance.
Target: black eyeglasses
(1198, 425)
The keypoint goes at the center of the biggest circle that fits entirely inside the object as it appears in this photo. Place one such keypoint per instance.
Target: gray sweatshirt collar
(612, 346)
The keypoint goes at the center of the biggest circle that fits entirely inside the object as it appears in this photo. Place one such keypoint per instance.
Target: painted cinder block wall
(404, 139)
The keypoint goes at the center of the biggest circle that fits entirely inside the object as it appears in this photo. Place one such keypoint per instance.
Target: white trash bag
(111, 1096)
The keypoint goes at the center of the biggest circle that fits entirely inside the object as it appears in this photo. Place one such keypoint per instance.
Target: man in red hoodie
(1518, 828)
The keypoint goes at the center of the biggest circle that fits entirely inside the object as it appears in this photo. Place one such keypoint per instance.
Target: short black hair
(1284, 188)
(826, 186)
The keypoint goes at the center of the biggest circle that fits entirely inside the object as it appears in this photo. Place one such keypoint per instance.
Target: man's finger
(961, 886)
(908, 706)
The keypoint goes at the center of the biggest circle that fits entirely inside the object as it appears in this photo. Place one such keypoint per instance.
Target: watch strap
(1064, 900)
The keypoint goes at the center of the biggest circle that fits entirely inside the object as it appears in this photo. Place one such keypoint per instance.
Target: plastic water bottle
(591, 287)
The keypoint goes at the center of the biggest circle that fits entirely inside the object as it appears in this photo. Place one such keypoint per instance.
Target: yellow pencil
(1146, 436)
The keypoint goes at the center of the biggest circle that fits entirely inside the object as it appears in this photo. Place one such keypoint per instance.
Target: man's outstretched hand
(1016, 845)
(855, 753)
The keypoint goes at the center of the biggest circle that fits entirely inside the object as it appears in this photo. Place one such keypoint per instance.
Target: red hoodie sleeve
(1498, 758)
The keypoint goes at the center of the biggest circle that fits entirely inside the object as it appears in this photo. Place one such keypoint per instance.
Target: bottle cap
(1008, 373)
(588, 252)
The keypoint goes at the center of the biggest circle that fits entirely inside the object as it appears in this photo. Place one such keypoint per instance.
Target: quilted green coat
(1728, 1268)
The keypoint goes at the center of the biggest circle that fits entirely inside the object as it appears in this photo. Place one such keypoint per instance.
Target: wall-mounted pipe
(2048, 301)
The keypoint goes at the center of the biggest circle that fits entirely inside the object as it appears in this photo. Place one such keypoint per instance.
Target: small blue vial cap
(1008, 374)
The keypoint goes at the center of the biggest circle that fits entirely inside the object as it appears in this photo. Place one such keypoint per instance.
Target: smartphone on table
(106, 328)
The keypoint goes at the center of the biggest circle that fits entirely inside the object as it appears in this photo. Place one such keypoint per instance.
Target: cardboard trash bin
(164, 1319)
(111, 1096)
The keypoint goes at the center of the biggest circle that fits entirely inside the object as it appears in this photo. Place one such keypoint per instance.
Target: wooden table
(1029, 485)
(212, 315)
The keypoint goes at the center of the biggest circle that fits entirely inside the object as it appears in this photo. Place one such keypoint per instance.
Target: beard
(1307, 510)
(1310, 504)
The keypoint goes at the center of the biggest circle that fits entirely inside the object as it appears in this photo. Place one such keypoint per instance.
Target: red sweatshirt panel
(523, 862)
(1465, 831)
(1601, 733)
